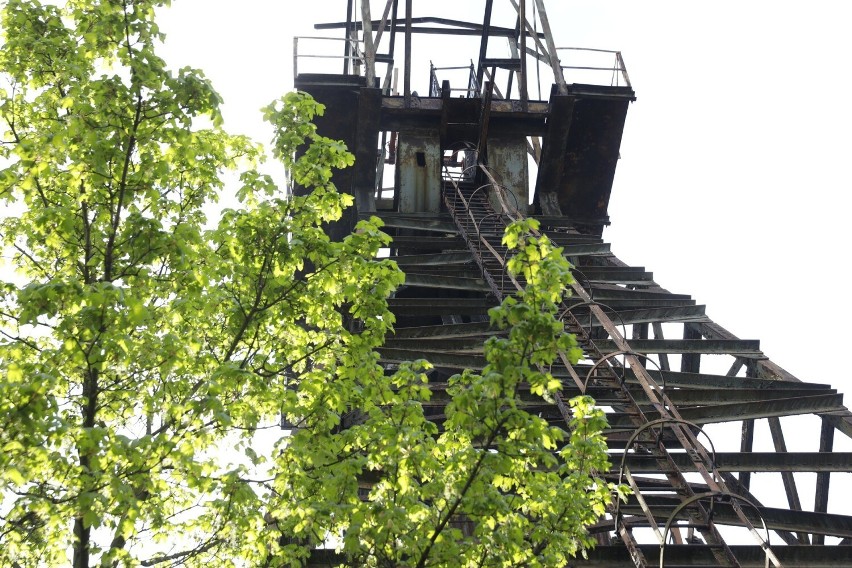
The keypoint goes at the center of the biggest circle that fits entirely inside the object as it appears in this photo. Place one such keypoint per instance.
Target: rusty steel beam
(625, 296)
(483, 44)
(751, 462)
(744, 411)
(738, 364)
(613, 274)
(568, 222)
(484, 119)
(424, 242)
(369, 48)
(626, 305)
(789, 481)
(663, 357)
(699, 555)
(461, 27)
(431, 223)
(779, 407)
(826, 445)
(446, 282)
(616, 555)
(447, 360)
(667, 313)
(382, 24)
(709, 381)
(439, 306)
(429, 345)
(573, 238)
(585, 249)
(478, 330)
(746, 445)
(690, 362)
(439, 259)
(456, 270)
(386, 86)
(689, 346)
(776, 519)
(551, 48)
(406, 82)
(605, 291)
(703, 397)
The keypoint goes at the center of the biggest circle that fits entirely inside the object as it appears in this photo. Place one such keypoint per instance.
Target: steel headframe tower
(461, 158)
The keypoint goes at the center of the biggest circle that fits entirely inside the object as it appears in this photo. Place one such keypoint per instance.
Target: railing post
(406, 83)
(369, 48)
(295, 57)
(472, 83)
(622, 67)
(551, 48)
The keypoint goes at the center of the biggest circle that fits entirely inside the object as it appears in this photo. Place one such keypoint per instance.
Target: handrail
(357, 53)
(472, 89)
(587, 49)
(617, 68)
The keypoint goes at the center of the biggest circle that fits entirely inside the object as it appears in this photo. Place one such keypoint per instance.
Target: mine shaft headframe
(371, 42)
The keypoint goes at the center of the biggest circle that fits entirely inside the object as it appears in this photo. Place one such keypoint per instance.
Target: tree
(524, 490)
(142, 351)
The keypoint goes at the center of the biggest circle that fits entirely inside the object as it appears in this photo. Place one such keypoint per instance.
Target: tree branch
(442, 523)
(183, 554)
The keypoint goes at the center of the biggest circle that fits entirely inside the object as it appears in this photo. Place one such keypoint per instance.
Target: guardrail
(472, 89)
(617, 70)
(586, 64)
(355, 57)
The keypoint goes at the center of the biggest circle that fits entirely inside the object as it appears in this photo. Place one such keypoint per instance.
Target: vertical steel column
(746, 446)
(551, 48)
(369, 48)
(347, 49)
(789, 481)
(690, 362)
(483, 43)
(522, 79)
(386, 86)
(406, 83)
(826, 444)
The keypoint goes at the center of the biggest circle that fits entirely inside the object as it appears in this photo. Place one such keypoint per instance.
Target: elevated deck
(580, 136)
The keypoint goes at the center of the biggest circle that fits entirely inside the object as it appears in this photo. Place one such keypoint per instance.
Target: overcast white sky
(733, 184)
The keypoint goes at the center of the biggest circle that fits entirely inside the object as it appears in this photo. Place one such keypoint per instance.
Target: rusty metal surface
(508, 155)
(457, 348)
(456, 271)
(685, 555)
(722, 346)
(752, 462)
(418, 171)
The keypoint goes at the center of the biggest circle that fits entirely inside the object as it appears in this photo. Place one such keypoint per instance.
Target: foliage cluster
(142, 351)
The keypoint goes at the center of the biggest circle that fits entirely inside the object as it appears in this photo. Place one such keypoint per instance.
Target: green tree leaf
(143, 352)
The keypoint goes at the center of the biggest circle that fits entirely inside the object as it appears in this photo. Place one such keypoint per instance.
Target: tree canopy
(144, 347)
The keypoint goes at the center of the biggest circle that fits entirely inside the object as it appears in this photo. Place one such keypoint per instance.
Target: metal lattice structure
(666, 373)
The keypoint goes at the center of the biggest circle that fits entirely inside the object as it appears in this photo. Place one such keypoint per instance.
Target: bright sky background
(733, 184)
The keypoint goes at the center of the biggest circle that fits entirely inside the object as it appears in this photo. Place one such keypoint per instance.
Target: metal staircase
(685, 494)
(467, 200)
